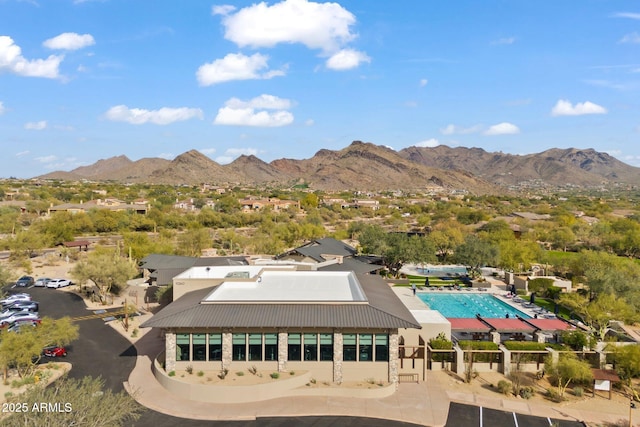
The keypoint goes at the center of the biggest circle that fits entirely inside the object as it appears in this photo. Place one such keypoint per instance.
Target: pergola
(603, 379)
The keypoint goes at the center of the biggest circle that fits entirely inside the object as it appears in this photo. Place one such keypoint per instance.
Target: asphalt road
(101, 351)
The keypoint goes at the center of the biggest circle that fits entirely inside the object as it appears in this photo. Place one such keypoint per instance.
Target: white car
(19, 316)
(15, 297)
(58, 283)
(41, 282)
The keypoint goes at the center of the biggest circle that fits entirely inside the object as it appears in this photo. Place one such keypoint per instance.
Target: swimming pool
(467, 305)
(443, 270)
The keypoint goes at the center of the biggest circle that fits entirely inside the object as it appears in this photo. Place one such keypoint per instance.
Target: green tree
(106, 268)
(193, 241)
(85, 402)
(627, 361)
(598, 313)
(475, 253)
(25, 243)
(567, 370)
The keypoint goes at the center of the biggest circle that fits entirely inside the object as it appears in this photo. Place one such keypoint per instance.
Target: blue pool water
(468, 305)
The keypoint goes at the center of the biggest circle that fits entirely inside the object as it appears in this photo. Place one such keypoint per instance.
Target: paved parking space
(461, 415)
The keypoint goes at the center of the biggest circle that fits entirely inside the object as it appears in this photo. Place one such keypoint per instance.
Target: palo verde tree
(599, 312)
(567, 370)
(83, 402)
(106, 268)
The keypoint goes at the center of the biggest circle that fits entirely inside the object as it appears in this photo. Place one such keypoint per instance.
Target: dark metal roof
(383, 311)
(326, 246)
(165, 267)
(351, 264)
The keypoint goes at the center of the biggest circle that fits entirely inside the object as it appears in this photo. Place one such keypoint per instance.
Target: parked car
(41, 282)
(19, 315)
(54, 351)
(58, 283)
(22, 325)
(25, 281)
(23, 305)
(15, 297)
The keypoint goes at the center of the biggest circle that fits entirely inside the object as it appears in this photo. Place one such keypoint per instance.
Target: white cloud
(23, 153)
(423, 82)
(168, 156)
(207, 151)
(428, 143)
(453, 129)
(504, 40)
(503, 128)
(249, 117)
(223, 160)
(11, 59)
(564, 108)
(346, 59)
(241, 151)
(46, 159)
(630, 38)
(236, 66)
(223, 9)
(163, 116)
(264, 101)
(629, 15)
(69, 41)
(36, 125)
(3, 109)
(252, 113)
(324, 26)
(309, 122)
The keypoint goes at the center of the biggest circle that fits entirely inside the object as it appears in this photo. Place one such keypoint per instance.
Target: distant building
(108, 204)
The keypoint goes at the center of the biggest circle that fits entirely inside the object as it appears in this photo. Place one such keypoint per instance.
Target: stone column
(394, 356)
(506, 360)
(495, 337)
(337, 356)
(227, 348)
(169, 351)
(283, 350)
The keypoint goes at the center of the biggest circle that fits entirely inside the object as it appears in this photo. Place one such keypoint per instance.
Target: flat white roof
(230, 271)
(428, 316)
(292, 286)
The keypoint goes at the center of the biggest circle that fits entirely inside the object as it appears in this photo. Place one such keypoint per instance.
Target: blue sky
(86, 80)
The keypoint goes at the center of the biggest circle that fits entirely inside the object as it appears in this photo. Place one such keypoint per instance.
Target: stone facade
(337, 356)
(283, 350)
(394, 340)
(170, 351)
(227, 349)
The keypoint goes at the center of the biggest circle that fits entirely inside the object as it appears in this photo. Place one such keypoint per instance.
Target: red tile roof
(550, 324)
(467, 325)
(509, 325)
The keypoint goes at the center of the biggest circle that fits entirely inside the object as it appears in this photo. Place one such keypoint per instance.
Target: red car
(54, 351)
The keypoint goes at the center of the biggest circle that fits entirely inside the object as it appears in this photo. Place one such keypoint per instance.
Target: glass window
(293, 350)
(255, 346)
(199, 342)
(215, 346)
(310, 346)
(270, 346)
(349, 347)
(365, 353)
(239, 342)
(382, 348)
(182, 347)
(326, 347)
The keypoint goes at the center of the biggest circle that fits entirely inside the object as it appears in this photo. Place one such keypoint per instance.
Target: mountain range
(370, 167)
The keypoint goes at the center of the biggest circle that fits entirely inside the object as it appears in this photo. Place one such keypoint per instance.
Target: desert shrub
(240, 373)
(477, 345)
(440, 342)
(578, 391)
(274, 375)
(172, 373)
(526, 392)
(200, 373)
(504, 387)
(525, 345)
(552, 394)
(189, 369)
